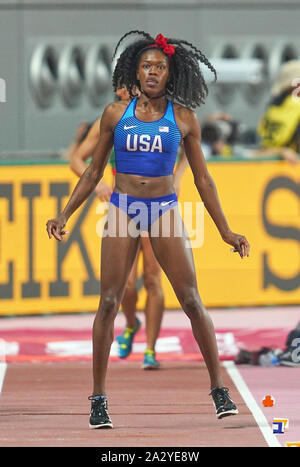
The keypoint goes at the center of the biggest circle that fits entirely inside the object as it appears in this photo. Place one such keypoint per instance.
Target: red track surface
(46, 405)
(44, 394)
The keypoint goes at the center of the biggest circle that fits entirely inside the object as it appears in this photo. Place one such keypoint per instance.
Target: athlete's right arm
(90, 176)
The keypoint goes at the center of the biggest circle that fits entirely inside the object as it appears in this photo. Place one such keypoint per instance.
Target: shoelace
(150, 356)
(220, 394)
(129, 331)
(99, 405)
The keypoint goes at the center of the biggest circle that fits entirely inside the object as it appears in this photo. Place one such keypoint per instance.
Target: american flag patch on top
(163, 129)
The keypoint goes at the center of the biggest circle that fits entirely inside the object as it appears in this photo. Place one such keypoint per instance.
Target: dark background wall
(45, 101)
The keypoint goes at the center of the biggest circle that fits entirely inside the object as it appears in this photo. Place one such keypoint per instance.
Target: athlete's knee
(152, 283)
(191, 302)
(109, 305)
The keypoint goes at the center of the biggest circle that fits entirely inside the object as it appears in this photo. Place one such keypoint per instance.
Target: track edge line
(251, 403)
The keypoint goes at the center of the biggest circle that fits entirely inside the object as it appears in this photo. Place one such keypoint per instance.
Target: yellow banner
(260, 200)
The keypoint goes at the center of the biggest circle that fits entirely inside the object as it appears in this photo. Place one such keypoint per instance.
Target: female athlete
(146, 134)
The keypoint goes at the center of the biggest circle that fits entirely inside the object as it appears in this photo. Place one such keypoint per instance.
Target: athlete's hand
(103, 191)
(239, 242)
(55, 227)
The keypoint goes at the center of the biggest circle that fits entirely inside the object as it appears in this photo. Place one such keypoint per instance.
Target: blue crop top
(146, 148)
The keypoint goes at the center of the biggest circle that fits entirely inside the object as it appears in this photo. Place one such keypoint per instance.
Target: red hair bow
(161, 42)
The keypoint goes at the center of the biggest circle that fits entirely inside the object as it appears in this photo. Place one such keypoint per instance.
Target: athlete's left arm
(206, 185)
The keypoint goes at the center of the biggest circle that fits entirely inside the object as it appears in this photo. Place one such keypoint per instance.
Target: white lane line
(3, 367)
(257, 413)
(3, 364)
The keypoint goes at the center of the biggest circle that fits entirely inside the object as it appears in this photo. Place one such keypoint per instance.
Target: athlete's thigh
(150, 264)
(118, 251)
(173, 251)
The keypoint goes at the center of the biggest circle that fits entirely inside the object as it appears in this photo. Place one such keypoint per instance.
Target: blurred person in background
(79, 151)
(81, 133)
(279, 127)
(278, 130)
(220, 133)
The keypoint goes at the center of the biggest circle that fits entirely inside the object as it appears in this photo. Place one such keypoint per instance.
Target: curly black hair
(186, 84)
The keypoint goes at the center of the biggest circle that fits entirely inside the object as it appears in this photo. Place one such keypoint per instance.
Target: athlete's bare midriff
(143, 187)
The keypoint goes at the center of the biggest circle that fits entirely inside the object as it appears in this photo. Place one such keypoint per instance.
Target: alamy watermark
(2, 90)
(160, 219)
